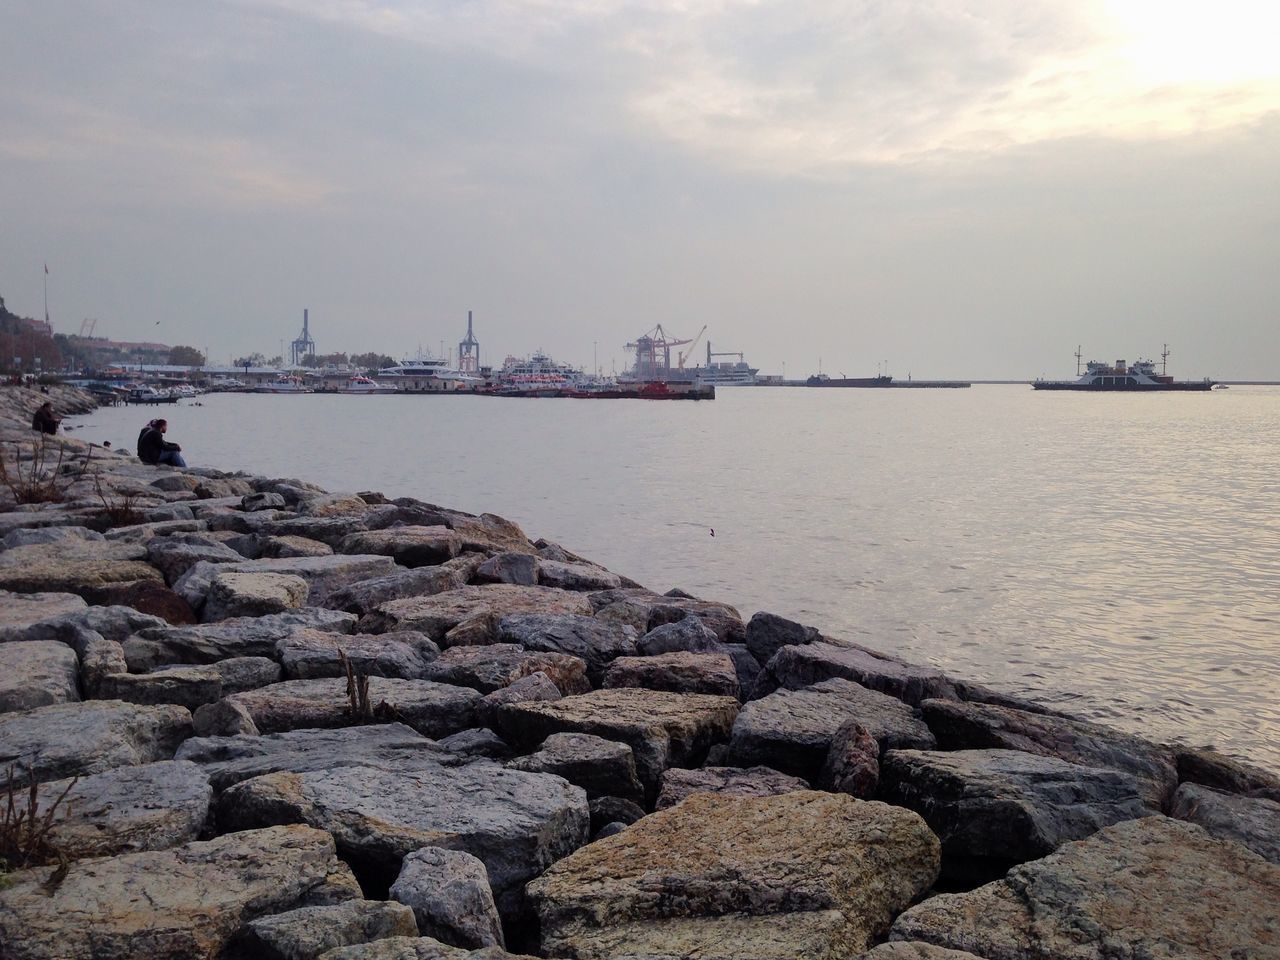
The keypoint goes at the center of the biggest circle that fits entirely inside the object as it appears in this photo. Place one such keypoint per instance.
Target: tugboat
(1121, 377)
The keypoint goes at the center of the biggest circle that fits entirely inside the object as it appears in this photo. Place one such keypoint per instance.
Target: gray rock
(76, 739)
(607, 810)
(365, 595)
(448, 891)
(915, 951)
(433, 709)
(253, 502)
(747, 668)
(307, 932)
(596, 642)
(576, 576)
(269, 547)
(324, 575)
(530, 689)
(328, 530)
(603, 768)
(37, 673)
(441, 613)
(477, 742)
(236, 594)
(678, 672)
(410, 546)
(517, 823)
(417, 948)
(663, 729)
(153, 806)
(27, 537)
(20, 611)
(99, 659)
(494, 666)
(307, 654)
(190, 687)
(767, 633)
(610, 829)
(223, 718)
(792, 730)
(185, 902)
(993, 809)
(244, 673)
(720, 618)
(853, 762)
(796, 667)
(228, 760)
(177, 554)
(1252, 822)
(517, 568)
(973, 726)
(1144, 888)
(803, 874)
(243, 637)
(679, 785)
(1210, 768)
(113, 623)
(684, 636)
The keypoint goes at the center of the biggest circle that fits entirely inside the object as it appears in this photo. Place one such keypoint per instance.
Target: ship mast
(1077, 360)
(1164, 360)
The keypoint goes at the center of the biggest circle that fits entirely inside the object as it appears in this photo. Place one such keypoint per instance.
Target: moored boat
(1120, 377)
(284, 384)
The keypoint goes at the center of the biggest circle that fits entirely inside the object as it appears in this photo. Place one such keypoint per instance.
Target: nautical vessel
(822, 380)
(284, 384)
(1139, 376)
(425, 374)
(365, 385)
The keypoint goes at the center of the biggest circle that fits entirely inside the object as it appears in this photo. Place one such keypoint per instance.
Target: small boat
(365, 385)
(284, 384)
(149, 395)
(1120, 377)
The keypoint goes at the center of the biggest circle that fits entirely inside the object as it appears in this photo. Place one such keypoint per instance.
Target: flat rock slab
(798, 666)
(993, 809)
(437, 615)
(597, 642)
(901, 950)
(494, 666)
(663, 729)
(307, 654)
(228, 760)
(242, 637)
(516, 823)
(603, 768)
(37, 673)
(978, 726)
(175, 555)
(1144, 888)
(792, 730)
(307, 932)
(90, 579)
(18, 611)
(576, 576)
(363, 596)
(434, 709)
(187, 902)
(679, 672)
(240, 594)
(190, 686)
(682, 879)
(654, 610)
(153, 806)
(417, 948)
(410, 546)
(678, 785)
(76, 739)
(1252, 822)
(1213, 769)
(324, 575)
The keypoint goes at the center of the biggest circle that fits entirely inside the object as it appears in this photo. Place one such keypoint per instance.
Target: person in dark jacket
(153, 448)
(44, 420)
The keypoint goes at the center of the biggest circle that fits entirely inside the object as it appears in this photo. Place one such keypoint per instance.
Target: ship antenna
(1078, 360)
(1164, 360)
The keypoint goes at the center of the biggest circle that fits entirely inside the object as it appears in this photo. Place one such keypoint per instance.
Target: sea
(1115, 556)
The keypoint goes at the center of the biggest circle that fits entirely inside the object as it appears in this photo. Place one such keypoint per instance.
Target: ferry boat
(284, 384)
(1139, 376)
(426, 374)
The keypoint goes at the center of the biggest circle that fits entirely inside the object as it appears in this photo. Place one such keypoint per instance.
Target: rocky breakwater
(242, 716)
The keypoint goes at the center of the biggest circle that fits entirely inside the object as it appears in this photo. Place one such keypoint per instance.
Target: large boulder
(576, 576)
(437, 615)
(796, 666)
(977, 726)
(603, 768)
(1210, 768)
(451, 899)
(417, 948)
(767, 633)
(517, 568)
(237, 594)
(409, 546)
(190, 686)
(663, 729)
(228, 760)
(517, 823)
(91, 579)
(363, 596)
(993, 809)
(1252, 822)
(678, 785)
(37, 673)
(803, 874)
(308, 932)
(153, 806)
(323, 575)
(156, 646)
(678, 672)
(76, 739)
(689, 635)
(1144, 888)
(597, 642)
(177, 554)
(20, 611)
(494, 666)
(307, 654)
(182, 903)
(792, 730)
(433, 709)
(647, 610)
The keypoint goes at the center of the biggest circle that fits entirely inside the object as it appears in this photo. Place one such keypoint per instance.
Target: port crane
(685, 354)
(653, 353)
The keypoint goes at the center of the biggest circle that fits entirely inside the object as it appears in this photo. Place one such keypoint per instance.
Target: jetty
(245, 716)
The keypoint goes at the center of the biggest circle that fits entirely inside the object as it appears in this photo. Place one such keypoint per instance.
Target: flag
(46, 269)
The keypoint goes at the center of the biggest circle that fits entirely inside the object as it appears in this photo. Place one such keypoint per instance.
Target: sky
(931, 187)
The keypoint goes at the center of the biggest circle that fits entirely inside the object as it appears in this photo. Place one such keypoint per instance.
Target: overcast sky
(951, 188)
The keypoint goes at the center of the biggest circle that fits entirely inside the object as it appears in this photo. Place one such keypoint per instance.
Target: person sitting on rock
(154, 449)
(44, 420)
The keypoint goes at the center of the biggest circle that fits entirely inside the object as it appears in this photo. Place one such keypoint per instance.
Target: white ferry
(285, 383)
(1137, 376)
(426, 374)
(365, 385)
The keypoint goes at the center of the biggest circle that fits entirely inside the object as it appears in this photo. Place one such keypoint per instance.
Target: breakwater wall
(263, 719)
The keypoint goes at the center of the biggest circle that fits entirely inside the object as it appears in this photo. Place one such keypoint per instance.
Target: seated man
(44, 420)
(153, 448)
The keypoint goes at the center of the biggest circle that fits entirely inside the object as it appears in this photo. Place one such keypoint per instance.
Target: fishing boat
(1120, 377)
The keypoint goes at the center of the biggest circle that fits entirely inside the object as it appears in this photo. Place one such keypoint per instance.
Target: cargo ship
(822, 380)
(1139, 376)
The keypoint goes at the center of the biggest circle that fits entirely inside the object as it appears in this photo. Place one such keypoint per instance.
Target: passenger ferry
(1121, 377)
(426, 374)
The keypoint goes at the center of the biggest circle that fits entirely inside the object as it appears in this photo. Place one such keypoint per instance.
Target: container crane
(685, 354)
(653, 353)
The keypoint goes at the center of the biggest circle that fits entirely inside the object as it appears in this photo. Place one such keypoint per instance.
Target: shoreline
(379, 693)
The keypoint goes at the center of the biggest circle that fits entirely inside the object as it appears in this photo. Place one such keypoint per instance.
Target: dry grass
(120, 513)
(25, 829)
(37, 481)
(359, 706)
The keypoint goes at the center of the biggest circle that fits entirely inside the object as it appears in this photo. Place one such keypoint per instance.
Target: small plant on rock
(359, 705)
(25, 829)
(38, 480)
(120, 513)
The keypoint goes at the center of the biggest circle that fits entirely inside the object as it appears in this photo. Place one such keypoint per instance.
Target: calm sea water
(1116, 556)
